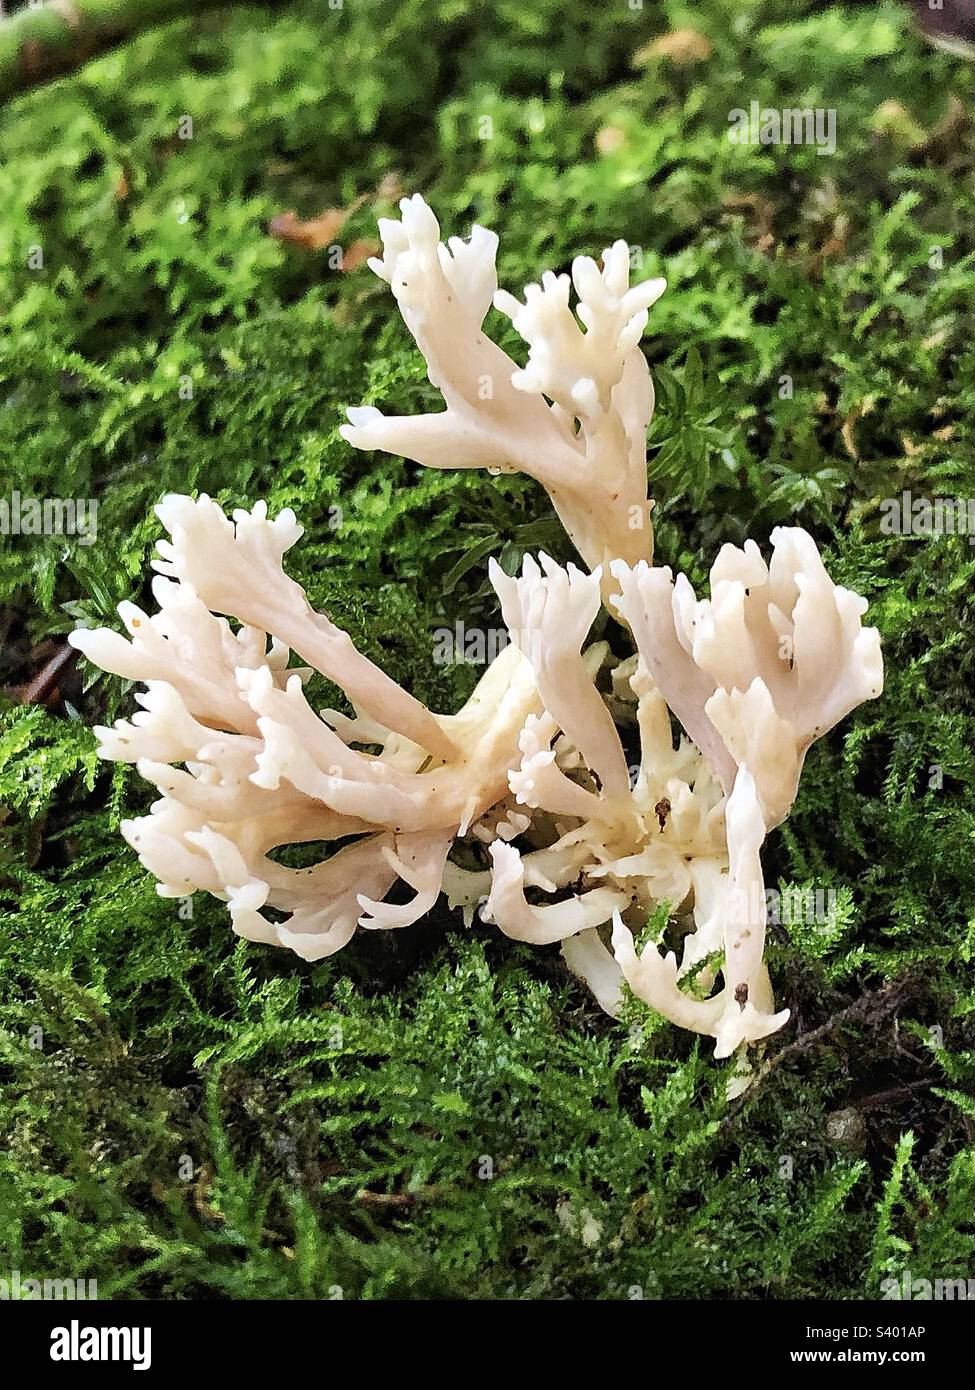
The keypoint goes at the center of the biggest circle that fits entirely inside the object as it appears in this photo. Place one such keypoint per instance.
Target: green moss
(191, 1116)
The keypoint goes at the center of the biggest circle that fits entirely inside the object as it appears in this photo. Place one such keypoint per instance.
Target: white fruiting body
(577, 847)
(588, 447)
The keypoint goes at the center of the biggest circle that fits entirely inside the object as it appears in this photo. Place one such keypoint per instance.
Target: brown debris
(45, 687)
(861, 409)
(759, 217)
(313, 234)
(322, 232)
(682, 47)
(946, 138)
(390, 188)
(358, 253)
(835, 243)
(401, 1200)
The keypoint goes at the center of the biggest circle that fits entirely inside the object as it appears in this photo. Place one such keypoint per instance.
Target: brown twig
(399, 1200)
(896, 1093)
(42, 689)
(869, 1009)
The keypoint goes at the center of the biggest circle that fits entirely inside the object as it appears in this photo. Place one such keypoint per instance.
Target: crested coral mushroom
(577, 846)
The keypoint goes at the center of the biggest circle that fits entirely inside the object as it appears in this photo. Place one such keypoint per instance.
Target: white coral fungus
(577, 845)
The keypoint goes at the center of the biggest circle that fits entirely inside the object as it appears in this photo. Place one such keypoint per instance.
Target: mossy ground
(189, 1116)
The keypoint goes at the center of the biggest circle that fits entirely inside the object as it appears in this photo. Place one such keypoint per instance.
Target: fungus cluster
(577, 844)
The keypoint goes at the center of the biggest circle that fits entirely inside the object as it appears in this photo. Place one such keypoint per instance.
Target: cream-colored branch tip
(575, 417)
(235, 567)
(548, 612)
(261, 769)
(769, 663)
(741, 1012)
